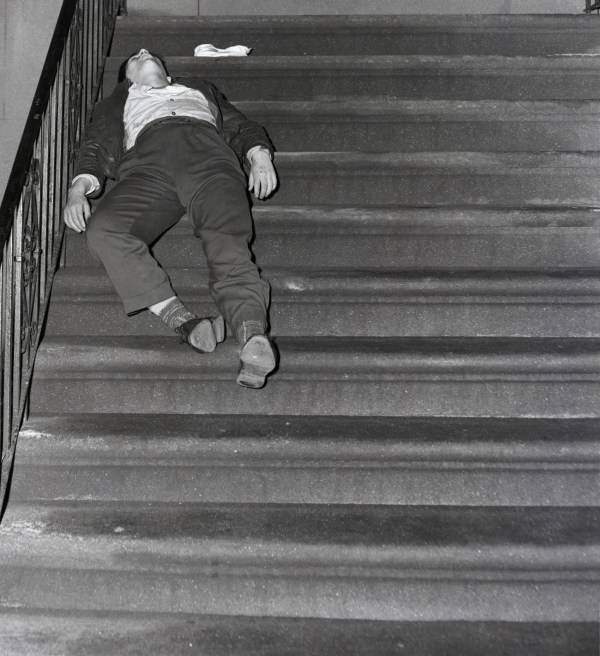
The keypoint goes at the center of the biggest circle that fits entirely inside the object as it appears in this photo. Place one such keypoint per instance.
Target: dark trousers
(177, 165)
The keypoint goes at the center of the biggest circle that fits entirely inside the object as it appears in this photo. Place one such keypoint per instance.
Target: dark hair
(123, 66)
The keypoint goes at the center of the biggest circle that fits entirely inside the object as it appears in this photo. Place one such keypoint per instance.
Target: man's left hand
(262, 179)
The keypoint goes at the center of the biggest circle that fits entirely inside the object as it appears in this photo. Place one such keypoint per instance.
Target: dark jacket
(103, 145)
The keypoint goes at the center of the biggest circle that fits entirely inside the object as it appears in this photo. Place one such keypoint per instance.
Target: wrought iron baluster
(31, 227)
(591, 5)
(29, 259)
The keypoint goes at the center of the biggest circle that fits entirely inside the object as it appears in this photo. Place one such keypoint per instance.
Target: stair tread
(329, 219)
(326, 76)
(88, 284)
(303, 459)
(424, 110)
(99, 534)
(402, 238)
(50, 632)
(125, 439)
(341, 357)
(477, 163)
(519, 65)
(520, 179)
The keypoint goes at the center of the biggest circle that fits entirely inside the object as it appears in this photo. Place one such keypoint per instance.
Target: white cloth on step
(208, 50)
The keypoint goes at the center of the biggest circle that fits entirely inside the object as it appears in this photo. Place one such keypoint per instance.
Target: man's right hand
(77, 210)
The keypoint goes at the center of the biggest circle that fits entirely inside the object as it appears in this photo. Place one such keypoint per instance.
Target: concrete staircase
(421, 476)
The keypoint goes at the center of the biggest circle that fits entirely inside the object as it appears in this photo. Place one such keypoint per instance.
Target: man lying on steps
(174, 148)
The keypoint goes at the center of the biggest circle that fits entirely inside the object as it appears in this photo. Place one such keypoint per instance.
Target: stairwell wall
(27, 27)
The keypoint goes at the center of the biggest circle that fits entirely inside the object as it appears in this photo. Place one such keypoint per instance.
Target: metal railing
(591, 5)
(31, 227)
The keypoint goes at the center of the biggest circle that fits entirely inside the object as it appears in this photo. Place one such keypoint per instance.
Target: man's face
(145, 68)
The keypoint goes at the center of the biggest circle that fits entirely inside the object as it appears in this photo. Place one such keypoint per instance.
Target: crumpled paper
(208, 50)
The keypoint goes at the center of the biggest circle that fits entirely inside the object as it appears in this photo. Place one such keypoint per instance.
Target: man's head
(144, 67)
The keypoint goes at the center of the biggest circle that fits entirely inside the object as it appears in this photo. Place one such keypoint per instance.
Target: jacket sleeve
(95, 156)
(241, 133)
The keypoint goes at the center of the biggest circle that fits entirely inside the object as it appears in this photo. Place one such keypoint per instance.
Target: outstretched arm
(103, 140)
(95, 161)
(77, 210)
(262, 179)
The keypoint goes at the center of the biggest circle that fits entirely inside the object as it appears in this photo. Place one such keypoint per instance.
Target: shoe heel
(218, 324)
(257, 361)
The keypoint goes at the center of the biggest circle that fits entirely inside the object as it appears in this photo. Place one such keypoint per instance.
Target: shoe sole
(257, 361)
(203, 337)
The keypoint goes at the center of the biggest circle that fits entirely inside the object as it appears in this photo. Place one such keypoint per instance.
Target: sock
(172, 312)
(158, 307)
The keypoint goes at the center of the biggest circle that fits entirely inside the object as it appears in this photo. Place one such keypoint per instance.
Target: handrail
(31, 229)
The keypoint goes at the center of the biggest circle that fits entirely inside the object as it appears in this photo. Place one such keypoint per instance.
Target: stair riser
(382, 186)
(358, 318)
(312, 395)
(240, 84)
(375, 41)
(472, 484)
(405, 135)
(305, 595)
(554, 248)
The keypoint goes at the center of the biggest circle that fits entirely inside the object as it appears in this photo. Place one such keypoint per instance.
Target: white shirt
(145, 104)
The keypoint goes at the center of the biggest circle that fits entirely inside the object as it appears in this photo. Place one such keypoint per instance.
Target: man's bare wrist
(260, 150)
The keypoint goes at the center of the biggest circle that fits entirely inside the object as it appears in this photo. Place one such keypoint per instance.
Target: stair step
(429, 125)
(439, 179)
(311, 459)
(443, 179)
(304, 77)
(398, 238)
(366, 34)
(335, 561)
(302, 7)
(324, 375)
(36, 631)
(357, 302)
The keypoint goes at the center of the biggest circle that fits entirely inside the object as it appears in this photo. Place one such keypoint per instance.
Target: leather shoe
(202, 335)
(257, 360)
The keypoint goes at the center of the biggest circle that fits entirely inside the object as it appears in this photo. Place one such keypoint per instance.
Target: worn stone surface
(390, 238)
(433, 77)
(368, 34)
(550, 377)
(72, 633)
(347, 562)
(365, 302)
(421, 474)
(310, 459)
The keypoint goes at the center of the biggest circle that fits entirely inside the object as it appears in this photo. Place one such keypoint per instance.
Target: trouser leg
(129, 218)
(212, 185)
(222, 219)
